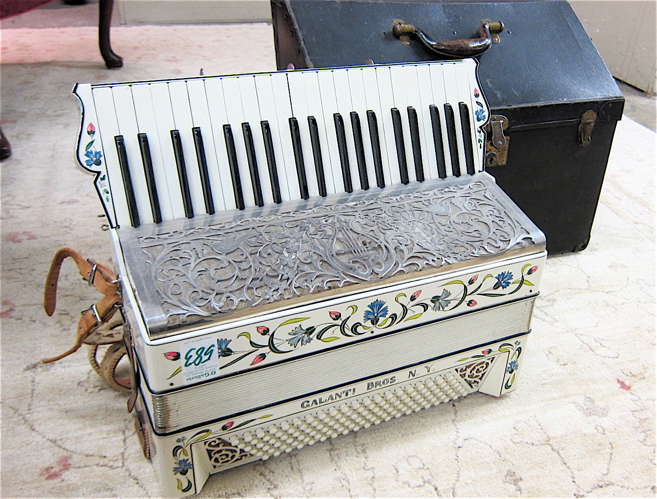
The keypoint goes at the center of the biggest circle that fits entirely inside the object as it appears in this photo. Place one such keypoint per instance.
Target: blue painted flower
(95, 158)
(182, 467)
(480, 114)
(441, 302)
(503, 280)
(513, 366)
(222, 348)
(301, 336)
(375, 311)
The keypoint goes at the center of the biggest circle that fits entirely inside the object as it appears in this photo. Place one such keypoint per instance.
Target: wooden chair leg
(105, 20)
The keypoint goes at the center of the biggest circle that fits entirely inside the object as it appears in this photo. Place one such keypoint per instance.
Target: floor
(580, 423)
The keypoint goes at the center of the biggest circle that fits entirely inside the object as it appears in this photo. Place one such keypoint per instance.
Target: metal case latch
(497, 145)
(586, 124)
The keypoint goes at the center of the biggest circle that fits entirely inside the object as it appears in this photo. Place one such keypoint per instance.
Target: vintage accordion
(305, 253)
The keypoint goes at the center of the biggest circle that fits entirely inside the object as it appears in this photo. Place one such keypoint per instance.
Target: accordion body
(306, 253)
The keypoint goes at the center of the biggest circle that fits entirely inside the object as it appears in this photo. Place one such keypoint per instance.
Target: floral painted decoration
(94, 157)
(377, 316)
(183, 466)
(375, 311)
(513, 363)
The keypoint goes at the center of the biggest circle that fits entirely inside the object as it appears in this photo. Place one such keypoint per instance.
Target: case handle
(453, 48)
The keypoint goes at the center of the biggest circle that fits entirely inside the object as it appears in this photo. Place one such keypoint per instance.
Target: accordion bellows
(331, 228)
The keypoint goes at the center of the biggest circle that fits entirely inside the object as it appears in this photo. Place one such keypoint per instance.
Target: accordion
(305, 253)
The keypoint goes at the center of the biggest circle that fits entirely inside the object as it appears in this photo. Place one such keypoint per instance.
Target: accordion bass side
(306, 253)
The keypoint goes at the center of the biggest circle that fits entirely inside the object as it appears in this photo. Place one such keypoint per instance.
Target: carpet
(580, 424)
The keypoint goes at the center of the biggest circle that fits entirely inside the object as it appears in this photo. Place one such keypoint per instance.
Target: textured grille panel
(340, 419)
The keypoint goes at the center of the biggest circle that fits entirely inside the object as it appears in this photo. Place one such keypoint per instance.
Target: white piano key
(344, 107)
(284, 111)
(359, 105)
(414, 99)
(108, 128)
(268, 113)
(165, 123)
(235, 115)
(374, 103)
(300, 112)
(387, 100)
(251, 110)
(403, 77)
(425, 99)
(201, 118)
(147, 123)
(125, 115)
(315, 108)
(453, 97)
(329, 107)
(218, 118)
(440, 98)
(182, 116)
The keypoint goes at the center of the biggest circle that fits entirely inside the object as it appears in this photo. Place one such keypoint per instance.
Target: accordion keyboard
(181, 148)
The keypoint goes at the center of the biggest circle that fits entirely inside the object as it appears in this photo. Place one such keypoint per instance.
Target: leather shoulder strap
(96, 274)
(100, 277)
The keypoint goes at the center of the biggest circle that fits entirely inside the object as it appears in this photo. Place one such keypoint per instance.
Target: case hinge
(586, 125)
(497, 145)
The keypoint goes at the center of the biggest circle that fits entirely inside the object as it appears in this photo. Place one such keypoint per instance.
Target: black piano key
(317, 155)
(182, 173)
(342, 150)
(233, 166)
(147, 163)
(271, 161)
(451, 140)
(203, 170)
(415, 143)
(399, 143)
(438, 140)
(298, 158)
(253, 164)
(360, 150)
(127, 181)
(373, 126)
(467, 138)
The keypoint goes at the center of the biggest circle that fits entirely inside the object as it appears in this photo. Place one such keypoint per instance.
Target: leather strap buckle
(96, 315)
(94, 310)
(92, 273)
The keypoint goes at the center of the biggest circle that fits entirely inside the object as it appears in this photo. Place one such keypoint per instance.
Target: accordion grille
(297, 432)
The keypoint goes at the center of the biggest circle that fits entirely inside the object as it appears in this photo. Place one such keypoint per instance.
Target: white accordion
(306, 253)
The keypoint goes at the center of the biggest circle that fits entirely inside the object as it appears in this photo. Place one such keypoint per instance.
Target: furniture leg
(5, 147)
(105, 19)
